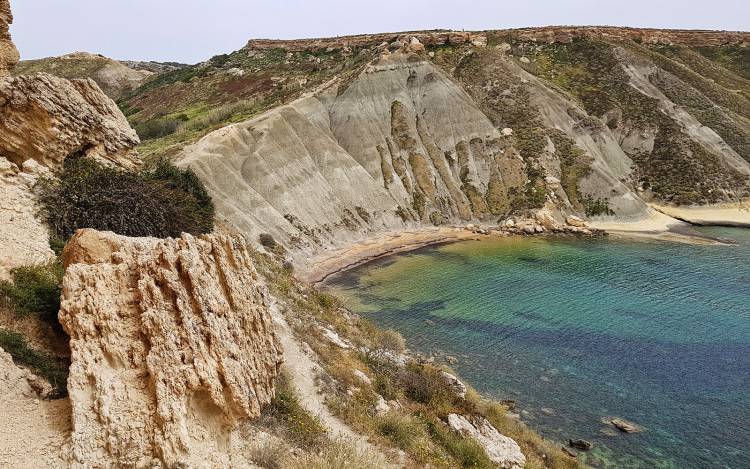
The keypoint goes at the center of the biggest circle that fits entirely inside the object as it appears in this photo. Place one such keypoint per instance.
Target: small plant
(51, 369)
(269, 242)
(285, 407)
(392, 340)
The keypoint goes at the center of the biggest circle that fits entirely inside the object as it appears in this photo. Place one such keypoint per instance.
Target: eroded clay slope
(400, 145)
(172, 346)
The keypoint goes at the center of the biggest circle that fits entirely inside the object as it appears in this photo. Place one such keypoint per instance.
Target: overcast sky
(194, 30)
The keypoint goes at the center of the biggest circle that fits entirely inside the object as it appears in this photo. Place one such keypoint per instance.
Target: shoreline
(339, 260)
(657, 226)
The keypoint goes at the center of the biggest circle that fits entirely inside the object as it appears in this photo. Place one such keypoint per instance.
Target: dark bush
(157, 128)
(268, 242)
(160, 201)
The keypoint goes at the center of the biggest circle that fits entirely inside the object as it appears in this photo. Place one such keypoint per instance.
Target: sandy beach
(656, 225)
(324, 265)
(735, 214)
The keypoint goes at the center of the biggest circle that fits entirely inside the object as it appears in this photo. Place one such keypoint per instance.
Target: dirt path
(303, 369)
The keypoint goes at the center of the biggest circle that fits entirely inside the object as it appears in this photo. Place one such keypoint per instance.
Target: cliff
(463, 128)
(172, 346)
(8, 53)
(548, 34)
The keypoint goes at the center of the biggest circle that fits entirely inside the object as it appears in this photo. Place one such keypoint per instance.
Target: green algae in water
(578, 330)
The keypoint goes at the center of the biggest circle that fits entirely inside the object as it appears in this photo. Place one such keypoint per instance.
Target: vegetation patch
(35, 290)
(160, 201)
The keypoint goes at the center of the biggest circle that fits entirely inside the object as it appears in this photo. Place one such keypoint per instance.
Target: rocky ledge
(549, 34)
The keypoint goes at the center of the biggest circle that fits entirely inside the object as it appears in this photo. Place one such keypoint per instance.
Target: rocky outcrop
(8, 53)
(501, 450)
(552, 34)
(46, 118)
(549, 34)
(113, 77)
(172, 346)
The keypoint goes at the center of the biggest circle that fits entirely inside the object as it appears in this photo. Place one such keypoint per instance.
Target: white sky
(194, 30)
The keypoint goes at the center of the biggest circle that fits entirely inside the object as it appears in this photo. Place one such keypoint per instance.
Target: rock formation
(8, 53)
(46, 118)
(501, 450)
(43, 120)
(172, 346)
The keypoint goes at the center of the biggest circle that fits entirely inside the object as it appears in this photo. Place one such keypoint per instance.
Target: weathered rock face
(172, 346)
(8, 53)
(46, 118)
(501, 450)
(34, 430)
(25, 239)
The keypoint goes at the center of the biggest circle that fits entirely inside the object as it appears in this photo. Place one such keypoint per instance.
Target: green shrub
(160, 201)
(34, 290)
(466, 451)
(157, 128)
(51, 369)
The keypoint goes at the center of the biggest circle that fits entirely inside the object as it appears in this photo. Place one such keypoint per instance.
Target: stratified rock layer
(8, 53)
(172, 346)
(47, 119)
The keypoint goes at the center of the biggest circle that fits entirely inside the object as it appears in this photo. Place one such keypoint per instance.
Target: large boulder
(172, 347)
(8, 52)
(46, 118)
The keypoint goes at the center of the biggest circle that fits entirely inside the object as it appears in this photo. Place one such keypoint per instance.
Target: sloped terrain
(113, 77)
(348, 137)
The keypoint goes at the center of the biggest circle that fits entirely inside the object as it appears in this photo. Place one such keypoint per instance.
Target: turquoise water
(577, 330)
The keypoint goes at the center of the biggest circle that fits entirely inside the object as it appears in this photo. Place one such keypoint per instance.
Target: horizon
(192, 34)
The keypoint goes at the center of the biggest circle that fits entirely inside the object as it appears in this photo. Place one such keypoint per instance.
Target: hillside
(114, 77)
(338, 139)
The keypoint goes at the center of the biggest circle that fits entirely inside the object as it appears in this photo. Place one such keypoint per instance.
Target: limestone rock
(8, 53)
(34, 430)
(25, 239)
(454, 384)
(501, 450)
(46, 118)
(172, 346)
(575, 221)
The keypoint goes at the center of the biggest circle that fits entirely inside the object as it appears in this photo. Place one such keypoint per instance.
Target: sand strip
(328, 263)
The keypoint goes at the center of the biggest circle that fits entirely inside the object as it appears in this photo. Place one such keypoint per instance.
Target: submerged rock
(623, 425)
(581, 444)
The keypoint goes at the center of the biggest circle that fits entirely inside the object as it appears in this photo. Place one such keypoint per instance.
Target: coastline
(656, 226)
(733, 215)
(329, 263)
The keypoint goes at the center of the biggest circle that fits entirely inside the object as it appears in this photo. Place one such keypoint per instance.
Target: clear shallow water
(576, 330)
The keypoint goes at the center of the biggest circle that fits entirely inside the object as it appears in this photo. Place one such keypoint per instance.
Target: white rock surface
(501, 450)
